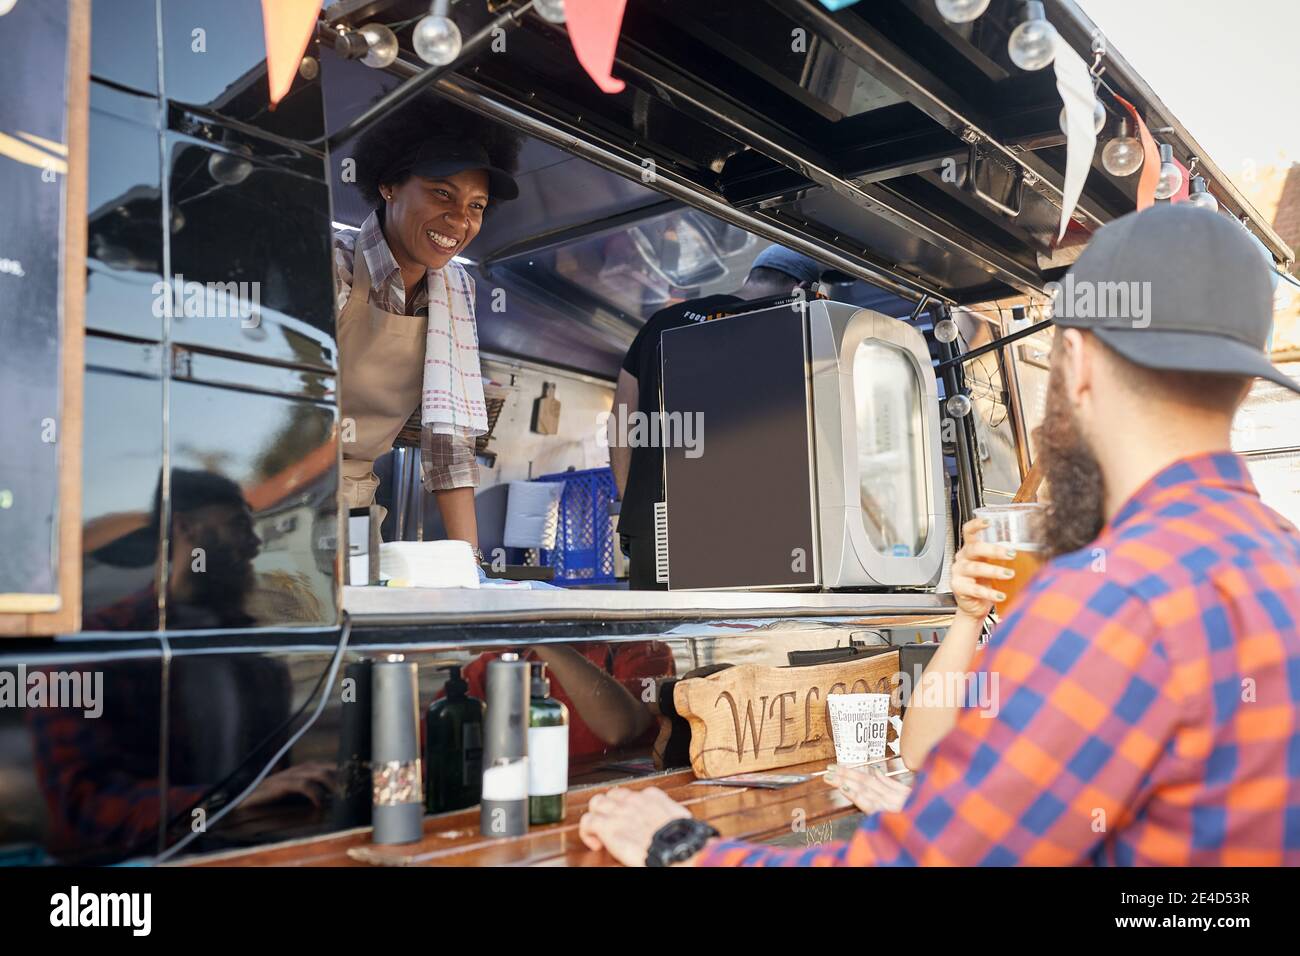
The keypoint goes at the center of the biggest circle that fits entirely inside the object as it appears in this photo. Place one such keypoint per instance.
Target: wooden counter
(453, 839)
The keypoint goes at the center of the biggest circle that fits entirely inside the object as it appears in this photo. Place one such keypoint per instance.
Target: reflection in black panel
(228, 714)
(267, 231)
(254, 509)
(123, 43)
(79, 783)
(124, 248)
(120, 468)
(214, 57)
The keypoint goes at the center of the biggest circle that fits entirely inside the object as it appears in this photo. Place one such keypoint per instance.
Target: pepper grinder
(503, 810)
(398, 793)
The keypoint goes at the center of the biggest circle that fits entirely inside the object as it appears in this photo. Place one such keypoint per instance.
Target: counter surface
(383, 605)
(453, 839)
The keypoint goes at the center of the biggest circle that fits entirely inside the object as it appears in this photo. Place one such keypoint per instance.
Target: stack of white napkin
(428, 564)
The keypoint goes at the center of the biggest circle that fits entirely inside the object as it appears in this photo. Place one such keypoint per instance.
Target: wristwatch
(678, 840)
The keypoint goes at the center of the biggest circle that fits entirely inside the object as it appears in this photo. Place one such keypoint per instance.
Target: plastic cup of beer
(1017, 526)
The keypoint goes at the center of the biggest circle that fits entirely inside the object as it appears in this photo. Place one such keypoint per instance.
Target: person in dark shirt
(638, 471)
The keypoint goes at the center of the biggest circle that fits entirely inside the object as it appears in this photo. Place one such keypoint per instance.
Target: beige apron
(381, 376)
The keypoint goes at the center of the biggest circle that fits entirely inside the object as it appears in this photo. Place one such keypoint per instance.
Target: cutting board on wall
(546, 411)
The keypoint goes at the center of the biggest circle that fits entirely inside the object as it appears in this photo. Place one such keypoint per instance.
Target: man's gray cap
(1192, 290)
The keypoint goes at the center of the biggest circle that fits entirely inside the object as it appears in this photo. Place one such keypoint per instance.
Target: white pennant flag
(1074, 83)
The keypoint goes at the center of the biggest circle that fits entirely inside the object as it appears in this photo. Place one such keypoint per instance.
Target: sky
(1230, 71)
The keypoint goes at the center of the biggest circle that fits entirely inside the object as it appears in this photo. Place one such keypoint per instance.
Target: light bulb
(961, 11)
(228, 170)
(1098, 117)
(1123, 155)
(6, 6)
(945, 330)
(552, 11)
(1201, 197)
(381, 45)
(436, 40)
(1033, 43)
(1171, 177)
(959, 405)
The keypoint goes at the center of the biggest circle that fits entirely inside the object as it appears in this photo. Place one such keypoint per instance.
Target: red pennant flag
(1149, 178)
(594, 26)
(288, 25)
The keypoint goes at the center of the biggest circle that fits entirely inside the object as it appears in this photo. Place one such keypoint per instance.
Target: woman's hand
(970, 564)
(870, 789)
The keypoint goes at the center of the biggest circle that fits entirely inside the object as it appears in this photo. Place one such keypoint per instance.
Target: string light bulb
(959, 405)
(1171, 177)
(945, 330)
(436, 38)
(552, 11)
(381, 45)
(961, 11)
(1123, 155)
(1098, 117)
(1200, 195)
(1033, 42)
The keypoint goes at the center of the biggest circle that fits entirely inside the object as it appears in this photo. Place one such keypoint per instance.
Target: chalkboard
(44, 73)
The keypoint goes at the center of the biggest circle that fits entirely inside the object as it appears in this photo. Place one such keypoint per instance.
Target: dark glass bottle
(548, 751)
(453, 748)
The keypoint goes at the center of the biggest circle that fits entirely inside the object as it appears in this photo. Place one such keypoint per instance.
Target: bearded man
(1150, 673)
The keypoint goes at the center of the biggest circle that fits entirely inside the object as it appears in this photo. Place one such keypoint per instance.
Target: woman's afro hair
(384, 144)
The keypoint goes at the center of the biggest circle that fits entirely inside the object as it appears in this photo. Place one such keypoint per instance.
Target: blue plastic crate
(584, 539)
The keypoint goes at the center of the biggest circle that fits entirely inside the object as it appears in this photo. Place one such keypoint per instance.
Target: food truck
(180, 556)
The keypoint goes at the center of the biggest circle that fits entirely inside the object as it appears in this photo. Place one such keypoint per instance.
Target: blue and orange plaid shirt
(1149, 704)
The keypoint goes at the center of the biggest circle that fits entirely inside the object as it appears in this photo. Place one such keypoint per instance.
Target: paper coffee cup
(859, 727)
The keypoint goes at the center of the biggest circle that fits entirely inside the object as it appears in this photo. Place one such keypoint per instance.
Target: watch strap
(678, 840)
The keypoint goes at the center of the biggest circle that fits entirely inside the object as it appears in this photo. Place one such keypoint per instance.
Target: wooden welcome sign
(749, 718)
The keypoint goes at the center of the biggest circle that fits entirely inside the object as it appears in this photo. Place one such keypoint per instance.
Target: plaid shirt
(1149, 704)
(386, 287)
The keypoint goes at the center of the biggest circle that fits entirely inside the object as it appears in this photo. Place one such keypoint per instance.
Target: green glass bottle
(453, 748)
(548, 751)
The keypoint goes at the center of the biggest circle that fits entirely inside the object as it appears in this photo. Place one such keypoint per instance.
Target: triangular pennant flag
(1074, 83)
(288, 25)
(593, 27)
(1150, 175)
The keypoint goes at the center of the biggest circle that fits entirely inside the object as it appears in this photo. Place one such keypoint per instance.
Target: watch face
(678, 830)
(678, 840)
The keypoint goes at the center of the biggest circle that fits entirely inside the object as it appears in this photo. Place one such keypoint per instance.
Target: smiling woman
(407, 335)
